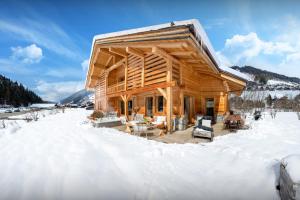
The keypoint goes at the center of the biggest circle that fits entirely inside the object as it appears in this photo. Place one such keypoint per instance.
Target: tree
(261, 79)
(14, 93)
(269, 100)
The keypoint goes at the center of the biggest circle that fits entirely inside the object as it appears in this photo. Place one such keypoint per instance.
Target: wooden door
(210, 104)
(187, 107)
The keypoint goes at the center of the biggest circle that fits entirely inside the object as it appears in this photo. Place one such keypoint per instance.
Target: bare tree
(32, 115)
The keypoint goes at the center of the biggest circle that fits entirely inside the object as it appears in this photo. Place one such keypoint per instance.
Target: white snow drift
(62, 157)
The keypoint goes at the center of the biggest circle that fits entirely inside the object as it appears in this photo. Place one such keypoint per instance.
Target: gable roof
(198, 32)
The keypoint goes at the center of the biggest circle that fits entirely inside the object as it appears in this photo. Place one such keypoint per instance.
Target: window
(130, 107)
(160, 104)
(122, 107)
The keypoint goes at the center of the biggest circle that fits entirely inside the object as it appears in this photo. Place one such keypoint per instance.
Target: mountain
(82, 96)
(266, 80)
(14, 93)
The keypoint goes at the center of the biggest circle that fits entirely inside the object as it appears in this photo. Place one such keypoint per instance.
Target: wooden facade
(166, 71)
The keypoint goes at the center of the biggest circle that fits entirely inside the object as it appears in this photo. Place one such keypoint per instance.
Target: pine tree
(14, 93)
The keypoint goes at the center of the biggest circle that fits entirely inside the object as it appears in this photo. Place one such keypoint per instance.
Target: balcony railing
(118, 87)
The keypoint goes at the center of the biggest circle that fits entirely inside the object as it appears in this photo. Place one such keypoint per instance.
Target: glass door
(149, 106)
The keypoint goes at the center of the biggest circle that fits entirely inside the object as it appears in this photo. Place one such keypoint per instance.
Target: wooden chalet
(168, 69)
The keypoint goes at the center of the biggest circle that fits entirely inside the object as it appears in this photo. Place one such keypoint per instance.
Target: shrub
(97, 114)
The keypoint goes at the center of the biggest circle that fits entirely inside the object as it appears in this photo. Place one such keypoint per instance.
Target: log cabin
(169, 69)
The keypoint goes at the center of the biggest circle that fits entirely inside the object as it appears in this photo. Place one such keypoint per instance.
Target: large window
(130, 107)
(160, 104)
(122, 107)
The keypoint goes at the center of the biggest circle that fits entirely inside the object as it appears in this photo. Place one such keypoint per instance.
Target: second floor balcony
(118, 87)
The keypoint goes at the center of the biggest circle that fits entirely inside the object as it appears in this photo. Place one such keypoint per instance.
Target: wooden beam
(194, 60)
(96, 71)
(181, 73)
(109, 60)
(116, 65)
(135, 52)
(96, 55)
(235, 80)
(97, 65)
(226, 86)
(182, 53)
(143, 72)
(169, 94)
(163, 92)
(126, 73)
(148, 44)
(123, 97)
(158, 51)
(144, 89)
(120, 52)
(181, 96)
(201, 53)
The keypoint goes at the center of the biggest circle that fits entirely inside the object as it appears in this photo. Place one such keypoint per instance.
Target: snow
(42, 105)
(200, 35)
(62, 156)
(279, 82)
(274, 93)
(292, 163)
(235, 72)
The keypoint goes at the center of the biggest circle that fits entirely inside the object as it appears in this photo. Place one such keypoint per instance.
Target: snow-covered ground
(275, 93)
(279, 82)
(62, 157)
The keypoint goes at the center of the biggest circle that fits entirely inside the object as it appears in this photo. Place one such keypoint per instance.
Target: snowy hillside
(265, 80)
(80, 97)
(62, 156)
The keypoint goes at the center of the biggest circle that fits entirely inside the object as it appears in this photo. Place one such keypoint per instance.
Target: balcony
(118, 87)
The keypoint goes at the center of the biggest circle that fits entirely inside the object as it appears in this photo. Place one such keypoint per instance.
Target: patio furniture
(138, 117)
(140, 128)
(203, 129)
(257, 115)
(233, 122)
(160, 121)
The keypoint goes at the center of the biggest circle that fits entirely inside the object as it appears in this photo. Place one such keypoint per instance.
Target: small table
(233, 121)
(143, 127)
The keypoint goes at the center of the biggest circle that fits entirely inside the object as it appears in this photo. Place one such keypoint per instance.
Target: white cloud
(64, 72)
(250, 45)
(85, 64)
(30, 54)
(279, 53)
(55, 91)
(223, 59)
(43, 32)
(216, 23)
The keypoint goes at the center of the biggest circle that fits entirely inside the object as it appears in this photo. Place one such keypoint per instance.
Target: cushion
(206, 123)
(160, 119)
(202, 132)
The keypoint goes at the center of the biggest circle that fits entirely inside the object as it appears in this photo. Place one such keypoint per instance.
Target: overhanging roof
(197, 31)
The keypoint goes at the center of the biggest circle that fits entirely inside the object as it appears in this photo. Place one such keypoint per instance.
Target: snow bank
(62, 156)
(292, 166)
(42, 105)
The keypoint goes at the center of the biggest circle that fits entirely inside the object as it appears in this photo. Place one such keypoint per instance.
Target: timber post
(169, 96)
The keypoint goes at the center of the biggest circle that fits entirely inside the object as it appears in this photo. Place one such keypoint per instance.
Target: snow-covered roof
(199, 31)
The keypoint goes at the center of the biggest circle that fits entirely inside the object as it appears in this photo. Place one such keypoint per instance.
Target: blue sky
(45, 44)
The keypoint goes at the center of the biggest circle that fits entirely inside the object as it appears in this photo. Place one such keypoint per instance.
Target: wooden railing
(118, 87)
